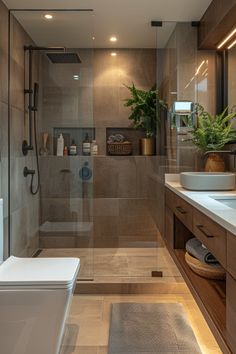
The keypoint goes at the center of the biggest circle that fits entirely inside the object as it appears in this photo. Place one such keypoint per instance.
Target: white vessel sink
(208, 181)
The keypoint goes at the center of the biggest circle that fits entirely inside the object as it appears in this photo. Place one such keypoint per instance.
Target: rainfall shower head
(64, 58)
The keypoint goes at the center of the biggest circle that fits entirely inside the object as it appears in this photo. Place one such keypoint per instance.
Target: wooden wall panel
(216, 23)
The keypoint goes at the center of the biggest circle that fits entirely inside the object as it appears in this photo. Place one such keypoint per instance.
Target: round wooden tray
(205, 270)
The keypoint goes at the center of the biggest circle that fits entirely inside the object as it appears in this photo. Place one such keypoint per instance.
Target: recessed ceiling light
(113, 39)
(48, 16)
(113, 54)
(76, 77)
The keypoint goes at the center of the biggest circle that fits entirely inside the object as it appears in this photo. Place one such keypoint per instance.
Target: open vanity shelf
(216, 298)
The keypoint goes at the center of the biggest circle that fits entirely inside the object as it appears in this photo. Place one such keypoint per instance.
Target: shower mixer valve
(27, 172)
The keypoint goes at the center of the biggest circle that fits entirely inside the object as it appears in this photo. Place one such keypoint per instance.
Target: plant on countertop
(213, 132)
(144, 106)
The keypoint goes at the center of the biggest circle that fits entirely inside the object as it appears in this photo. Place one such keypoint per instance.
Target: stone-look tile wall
(24, 207)
(115, 199)
(4, 118)
(111, 74)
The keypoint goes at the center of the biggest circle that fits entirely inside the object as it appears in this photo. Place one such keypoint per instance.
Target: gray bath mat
(150, 329)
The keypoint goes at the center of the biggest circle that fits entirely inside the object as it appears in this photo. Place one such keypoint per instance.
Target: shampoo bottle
(73, 148)
(60, 145)
(86, 145)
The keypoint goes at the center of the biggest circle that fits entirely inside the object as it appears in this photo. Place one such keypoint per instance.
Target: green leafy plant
(145, 107)
(213, 132)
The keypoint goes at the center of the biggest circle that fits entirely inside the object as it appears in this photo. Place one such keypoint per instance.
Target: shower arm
(27, 146)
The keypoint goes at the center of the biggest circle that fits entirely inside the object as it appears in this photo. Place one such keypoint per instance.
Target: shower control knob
(27, 172)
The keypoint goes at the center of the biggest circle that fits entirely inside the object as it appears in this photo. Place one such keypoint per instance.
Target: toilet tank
(1, 231)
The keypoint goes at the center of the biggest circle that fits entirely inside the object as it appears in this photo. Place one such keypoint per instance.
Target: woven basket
(120, 149)
(205, 270)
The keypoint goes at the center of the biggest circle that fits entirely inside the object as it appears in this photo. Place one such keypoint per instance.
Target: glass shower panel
(65, 108)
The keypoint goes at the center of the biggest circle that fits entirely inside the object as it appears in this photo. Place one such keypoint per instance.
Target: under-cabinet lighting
(232, 44)
(226, 39)
(113, 54)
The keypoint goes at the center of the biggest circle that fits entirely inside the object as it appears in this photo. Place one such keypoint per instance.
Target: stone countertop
(205, 202)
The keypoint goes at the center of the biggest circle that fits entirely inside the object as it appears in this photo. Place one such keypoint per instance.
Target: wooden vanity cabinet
(182, 209)
(231, 312)
(216, 298)
(212, 235)
(231, 291)
(231, 255)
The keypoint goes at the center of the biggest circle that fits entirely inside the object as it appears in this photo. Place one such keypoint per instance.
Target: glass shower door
(65, 109)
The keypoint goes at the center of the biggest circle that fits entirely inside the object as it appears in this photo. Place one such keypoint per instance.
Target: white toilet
(35, 294)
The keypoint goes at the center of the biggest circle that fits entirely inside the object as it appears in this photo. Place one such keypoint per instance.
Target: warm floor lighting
(113, 54)
(226, 39)
(48, 16)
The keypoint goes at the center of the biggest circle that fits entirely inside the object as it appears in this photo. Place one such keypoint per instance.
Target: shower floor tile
(121, 265)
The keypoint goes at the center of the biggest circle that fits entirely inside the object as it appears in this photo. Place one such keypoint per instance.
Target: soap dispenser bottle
(60, 145)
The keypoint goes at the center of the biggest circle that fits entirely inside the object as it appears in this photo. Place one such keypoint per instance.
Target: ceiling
(129, 20)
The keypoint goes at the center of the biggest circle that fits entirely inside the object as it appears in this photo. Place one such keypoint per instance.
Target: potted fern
(145, 114)
(211, 135)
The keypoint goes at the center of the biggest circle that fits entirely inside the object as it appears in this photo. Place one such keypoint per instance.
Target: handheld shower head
(36, 96)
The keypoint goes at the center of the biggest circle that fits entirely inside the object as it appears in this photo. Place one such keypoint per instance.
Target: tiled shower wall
(117, 200)
(23, 217)
(24, 207)
(4, 118)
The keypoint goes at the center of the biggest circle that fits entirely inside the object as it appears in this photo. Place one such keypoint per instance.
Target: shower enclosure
(106, 210)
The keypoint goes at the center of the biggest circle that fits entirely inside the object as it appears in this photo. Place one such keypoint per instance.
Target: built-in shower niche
(75, 134)
(131, 134)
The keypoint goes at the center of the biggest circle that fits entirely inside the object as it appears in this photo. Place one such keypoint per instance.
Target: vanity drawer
(180, 208)
(211, 235)
(231, 254)
(184, 212)
(170, 199)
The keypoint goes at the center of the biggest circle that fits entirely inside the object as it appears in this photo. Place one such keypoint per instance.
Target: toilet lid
(36, 272)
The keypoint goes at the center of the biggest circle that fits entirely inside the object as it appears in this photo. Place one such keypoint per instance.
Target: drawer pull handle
(204, 232)
(181, 210)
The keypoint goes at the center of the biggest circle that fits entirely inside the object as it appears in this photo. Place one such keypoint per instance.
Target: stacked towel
(196, 249)
(116, 138)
